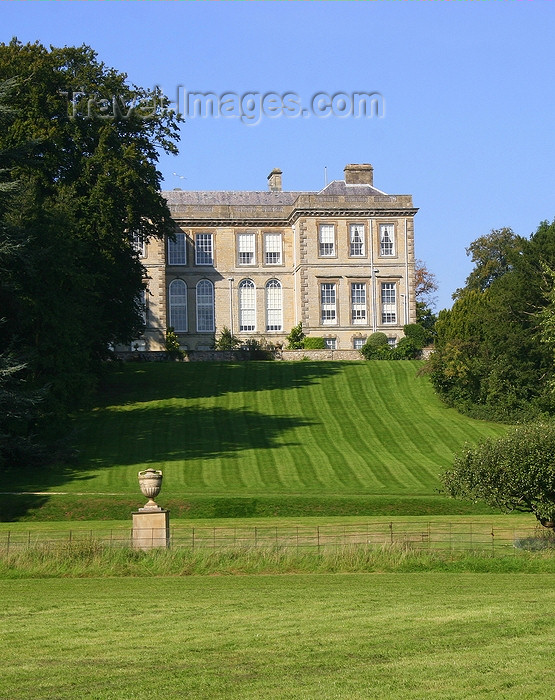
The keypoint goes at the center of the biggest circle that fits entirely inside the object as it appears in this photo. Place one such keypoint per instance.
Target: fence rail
(431, 536)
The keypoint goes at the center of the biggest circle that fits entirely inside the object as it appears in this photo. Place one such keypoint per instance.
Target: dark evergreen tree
(88, 188)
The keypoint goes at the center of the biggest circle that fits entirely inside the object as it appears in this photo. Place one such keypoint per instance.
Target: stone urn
(150, 482)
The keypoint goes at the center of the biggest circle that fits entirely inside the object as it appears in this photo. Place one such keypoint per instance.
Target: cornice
(237, 221)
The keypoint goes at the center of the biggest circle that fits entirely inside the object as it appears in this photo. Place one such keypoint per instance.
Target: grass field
(354, 636)
(263, 438)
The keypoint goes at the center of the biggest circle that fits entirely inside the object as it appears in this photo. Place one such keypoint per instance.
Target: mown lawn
(414, 636)
(262, 428)
(271, 430)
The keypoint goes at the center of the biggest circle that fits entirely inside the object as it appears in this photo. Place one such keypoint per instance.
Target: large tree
(493, 255)
(82, 144)
(88, 187)
(489, 359)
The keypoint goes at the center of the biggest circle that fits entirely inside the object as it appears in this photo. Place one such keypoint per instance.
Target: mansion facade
(341, 261)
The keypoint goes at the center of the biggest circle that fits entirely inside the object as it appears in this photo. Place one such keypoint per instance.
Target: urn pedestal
(151, 524)
(151, 528)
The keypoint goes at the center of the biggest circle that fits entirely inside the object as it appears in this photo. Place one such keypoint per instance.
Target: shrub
(314, 343)
(295, 338)
(417, 334)
(376, 347)
(513, 472)
(377, 339)
(226, 341)
(172, 344)
(406, 349)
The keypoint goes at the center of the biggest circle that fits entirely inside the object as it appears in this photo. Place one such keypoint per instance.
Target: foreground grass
(259, 439)
(353, 636)
(93, 558)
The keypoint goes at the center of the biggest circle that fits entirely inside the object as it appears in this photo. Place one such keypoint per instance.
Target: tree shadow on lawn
(157, 434)
(195, 380)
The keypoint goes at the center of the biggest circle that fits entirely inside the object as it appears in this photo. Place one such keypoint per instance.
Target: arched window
(178, 305)
(177, 250)
(205, 306)
(247, 306)
(274, 306)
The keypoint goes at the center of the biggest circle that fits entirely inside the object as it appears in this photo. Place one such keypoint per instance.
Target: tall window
(357, 240)
(247, 306)
(245, 249)
(205, 306)
(389, 306)
(358, 343)
(274, 306)
(204, 253)
(328, 303)
(177, 250)
(141, 300)
(138, 243)
(358, 303)
(387, 239)
(272, 249)
(327, 240)
(178, 305)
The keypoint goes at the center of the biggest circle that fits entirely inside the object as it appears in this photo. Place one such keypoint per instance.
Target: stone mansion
(341, 261)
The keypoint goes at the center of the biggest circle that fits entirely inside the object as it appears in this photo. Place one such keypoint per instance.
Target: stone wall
(320, 355)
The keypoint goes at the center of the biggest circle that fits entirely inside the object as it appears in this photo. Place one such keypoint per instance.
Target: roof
(342, 188)
(180, 197)
(230, 197)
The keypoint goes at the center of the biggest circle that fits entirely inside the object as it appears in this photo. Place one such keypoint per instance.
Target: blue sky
(468, 125)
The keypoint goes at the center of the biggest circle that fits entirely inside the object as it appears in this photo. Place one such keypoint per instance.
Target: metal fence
(428, 536)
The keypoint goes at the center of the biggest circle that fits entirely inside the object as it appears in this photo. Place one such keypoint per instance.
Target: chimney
(274, 180)
(362, 174)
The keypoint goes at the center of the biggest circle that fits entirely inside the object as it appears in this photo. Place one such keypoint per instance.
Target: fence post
(391, 532)
(256, 537)
(318, 537)
(8, 542)
(193, 540)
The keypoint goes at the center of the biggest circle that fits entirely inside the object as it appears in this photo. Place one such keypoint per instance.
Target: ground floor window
(178, 306)
(331, 343)
(274, 306)
(358, 343)
(205, 306)
(247, 306)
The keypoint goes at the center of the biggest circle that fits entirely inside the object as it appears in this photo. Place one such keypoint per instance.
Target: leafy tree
(226, 340)
(295, 338)
(425, 287)
(493, 255)
(514, 472)
(425, 283)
